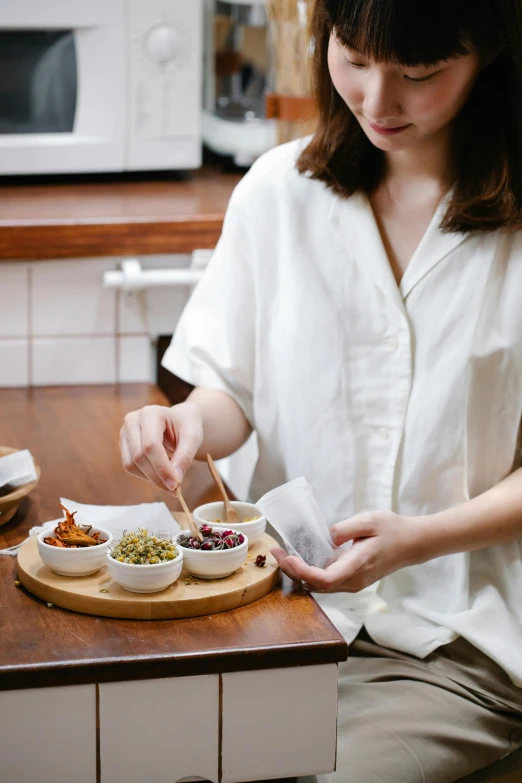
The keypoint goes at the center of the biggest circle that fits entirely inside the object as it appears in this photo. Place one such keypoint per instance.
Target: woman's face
(397, 106)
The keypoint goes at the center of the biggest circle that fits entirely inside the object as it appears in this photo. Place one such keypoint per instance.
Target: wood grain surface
(73, 434)
(108, 218)
(187, 597)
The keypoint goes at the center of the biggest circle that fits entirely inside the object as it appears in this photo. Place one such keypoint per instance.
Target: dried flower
(138, 548)
(187, 582)
(50, 605)
(104, 590)
(213, 540)
(18, 583)
(68, 534)
(260, 561)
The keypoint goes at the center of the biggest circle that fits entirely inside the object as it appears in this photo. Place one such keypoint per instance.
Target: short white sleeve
(214, 342)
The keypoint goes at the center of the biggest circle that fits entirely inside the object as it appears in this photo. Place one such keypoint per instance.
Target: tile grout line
(117, 336)
(29, 326)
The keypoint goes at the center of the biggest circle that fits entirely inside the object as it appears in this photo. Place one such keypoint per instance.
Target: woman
(363, 313)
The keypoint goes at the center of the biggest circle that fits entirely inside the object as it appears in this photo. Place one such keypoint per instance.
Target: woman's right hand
(158, 443)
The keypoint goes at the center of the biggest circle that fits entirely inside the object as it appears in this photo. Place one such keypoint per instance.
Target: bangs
(410, 32)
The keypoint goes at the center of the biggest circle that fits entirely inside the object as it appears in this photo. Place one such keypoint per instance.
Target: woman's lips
(387, 131)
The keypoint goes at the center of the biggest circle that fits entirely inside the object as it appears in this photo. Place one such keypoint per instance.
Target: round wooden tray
(200, 597)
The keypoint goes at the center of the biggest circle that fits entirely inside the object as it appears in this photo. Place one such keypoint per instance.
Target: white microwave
(100, 85)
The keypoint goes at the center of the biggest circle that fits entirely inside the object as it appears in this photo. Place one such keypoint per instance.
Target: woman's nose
(380, 102)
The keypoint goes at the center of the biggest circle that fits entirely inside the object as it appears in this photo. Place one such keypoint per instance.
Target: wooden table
(113, 216)
(243, 695)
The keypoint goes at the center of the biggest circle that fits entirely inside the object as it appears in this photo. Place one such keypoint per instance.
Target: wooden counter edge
(176, 665)
(105, 237)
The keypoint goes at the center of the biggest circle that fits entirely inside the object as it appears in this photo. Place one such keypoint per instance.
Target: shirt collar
(354, 221)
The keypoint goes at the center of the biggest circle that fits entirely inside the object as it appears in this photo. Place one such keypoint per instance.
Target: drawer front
(159, 730)
(279, 723)
(33, 723)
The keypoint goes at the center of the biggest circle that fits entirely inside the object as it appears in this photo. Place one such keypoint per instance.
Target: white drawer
(32, 723)
(159, 731)
(279, 723)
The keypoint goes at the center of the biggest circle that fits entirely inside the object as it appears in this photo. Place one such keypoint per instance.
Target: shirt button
(383, 433)
(392, 343)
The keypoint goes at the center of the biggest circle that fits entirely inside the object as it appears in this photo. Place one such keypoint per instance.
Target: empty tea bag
(16, 469)
(294, 513)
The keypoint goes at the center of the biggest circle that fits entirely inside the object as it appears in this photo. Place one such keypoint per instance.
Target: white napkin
(155, 517)
(16, 469)
(293, 511)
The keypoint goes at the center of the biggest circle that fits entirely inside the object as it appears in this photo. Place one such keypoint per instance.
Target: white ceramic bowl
(146, 578)
(214, 565)
(252, 530)
(74, 562)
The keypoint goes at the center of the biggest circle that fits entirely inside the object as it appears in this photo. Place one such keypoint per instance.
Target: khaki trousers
(406, 720)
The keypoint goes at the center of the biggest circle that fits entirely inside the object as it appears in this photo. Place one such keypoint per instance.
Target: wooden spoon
(194, 529)
(231, 515)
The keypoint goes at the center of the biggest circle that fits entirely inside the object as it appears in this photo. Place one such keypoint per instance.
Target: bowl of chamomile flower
(144, 563)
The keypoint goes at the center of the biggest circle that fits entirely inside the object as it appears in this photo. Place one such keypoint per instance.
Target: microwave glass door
(38, 85)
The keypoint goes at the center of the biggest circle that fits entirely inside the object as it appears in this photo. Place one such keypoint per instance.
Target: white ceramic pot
(213, 564)
(146, 578)
(252, 530)
(83, 561)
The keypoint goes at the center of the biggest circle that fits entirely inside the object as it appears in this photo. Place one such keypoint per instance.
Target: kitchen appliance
(238, 72)
(100, 85)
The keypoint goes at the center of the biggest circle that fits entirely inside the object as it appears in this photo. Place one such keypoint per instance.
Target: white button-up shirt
(406, 398)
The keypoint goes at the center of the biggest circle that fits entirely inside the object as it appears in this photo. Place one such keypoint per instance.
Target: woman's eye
(355, 65)
(423, 79)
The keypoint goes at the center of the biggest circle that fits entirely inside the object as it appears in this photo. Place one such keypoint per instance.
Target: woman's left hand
(383, 542)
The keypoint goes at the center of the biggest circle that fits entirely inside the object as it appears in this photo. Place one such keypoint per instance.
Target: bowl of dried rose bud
(74, 549)
(219, 554)
(144, 563)
(252, 524)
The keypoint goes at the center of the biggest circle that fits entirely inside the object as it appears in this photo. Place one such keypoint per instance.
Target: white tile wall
(155, 311)
(32, 721)
(136, 359)
(14, 362)
(14, 300)
(68, 298)
(81, 360)
(75, 330)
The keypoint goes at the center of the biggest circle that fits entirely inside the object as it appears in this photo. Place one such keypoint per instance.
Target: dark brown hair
(486, 160)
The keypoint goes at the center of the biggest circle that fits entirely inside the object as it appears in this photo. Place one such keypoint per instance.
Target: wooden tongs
(195, 532)
(231, 515)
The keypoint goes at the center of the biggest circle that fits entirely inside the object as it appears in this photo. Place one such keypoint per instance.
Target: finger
(132, 432)
(161, 471)
(127, 461)
(282, 561)
(190, 439)
(323, 579)
(360, 526)
(313, 576)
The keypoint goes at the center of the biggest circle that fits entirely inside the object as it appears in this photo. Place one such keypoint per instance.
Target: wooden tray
(200, 597)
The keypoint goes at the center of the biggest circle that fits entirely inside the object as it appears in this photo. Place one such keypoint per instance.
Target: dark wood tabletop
(113, 217)
(73, 435)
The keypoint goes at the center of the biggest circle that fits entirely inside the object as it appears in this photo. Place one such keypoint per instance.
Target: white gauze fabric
(16, 469)
(294, 513)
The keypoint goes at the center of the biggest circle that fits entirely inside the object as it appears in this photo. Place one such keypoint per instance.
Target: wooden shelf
(113, 217)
